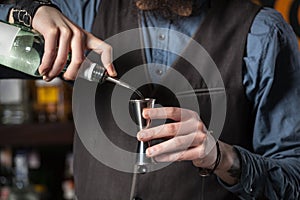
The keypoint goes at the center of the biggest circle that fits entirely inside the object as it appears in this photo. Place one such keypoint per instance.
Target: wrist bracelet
(24, 10)
(207, 172)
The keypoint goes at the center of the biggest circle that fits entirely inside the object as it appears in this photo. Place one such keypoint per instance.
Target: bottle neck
(99, 74)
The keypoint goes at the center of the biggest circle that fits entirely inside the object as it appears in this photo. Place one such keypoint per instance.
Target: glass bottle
(21, 189)
(22, 50)
(6, 173)
(14, 101)
(37, 175)
(49, 101)
(68, 180)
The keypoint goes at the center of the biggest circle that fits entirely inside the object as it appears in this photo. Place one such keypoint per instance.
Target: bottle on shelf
(51, 101)
(6, 173)
(21, 189)
(15, 107)
(37, 176)
(68, 181)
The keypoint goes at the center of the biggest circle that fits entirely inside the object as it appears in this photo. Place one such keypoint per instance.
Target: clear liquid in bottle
(24, 51)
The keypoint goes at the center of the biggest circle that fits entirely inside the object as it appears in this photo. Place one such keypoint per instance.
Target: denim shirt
(271, 77)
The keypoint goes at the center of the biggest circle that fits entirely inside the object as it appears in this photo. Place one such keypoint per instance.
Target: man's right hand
(62, 37)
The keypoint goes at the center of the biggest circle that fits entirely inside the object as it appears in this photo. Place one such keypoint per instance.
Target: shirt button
(159, 72)
(162, 37)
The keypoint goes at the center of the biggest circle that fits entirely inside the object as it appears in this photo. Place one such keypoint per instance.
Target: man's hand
(187, 139)
(63, 37)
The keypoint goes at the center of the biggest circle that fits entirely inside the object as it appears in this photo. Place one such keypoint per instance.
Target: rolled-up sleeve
(272, 83)
(264, 177)
(4, 10)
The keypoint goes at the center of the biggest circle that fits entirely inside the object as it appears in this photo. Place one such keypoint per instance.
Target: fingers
(203, 155)
(187, 137)
(171, 130)
(199, 155)
(62, 52)
(77, 48)
(177, 144)
(105, 50)
(73, 39)
(188, 122)
(63, 37)
(188, 132)
(49, 51)
(196, 153)
(174, 113)
(199, 148)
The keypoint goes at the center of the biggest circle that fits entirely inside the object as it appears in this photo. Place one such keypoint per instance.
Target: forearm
(229, 169)
(257, 176)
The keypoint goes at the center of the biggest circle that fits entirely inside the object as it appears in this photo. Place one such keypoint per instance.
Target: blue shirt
(161, 36)
(271, 74)
(4, 8)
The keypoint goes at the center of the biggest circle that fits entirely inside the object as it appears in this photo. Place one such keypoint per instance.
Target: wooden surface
(37, 134)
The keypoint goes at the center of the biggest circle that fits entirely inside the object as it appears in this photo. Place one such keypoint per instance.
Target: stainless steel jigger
(143, 163)
(136, 109)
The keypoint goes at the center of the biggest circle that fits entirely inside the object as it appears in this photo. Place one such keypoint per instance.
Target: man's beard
(169, 9)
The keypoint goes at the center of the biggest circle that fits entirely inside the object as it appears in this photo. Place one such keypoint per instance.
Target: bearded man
(252, 154)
